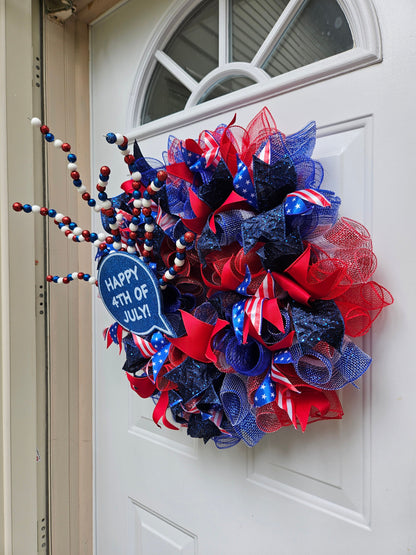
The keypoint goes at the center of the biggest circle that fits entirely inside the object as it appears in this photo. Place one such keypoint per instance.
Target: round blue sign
(131, 294)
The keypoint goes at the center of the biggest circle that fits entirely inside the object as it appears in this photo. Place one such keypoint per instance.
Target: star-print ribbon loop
(162, 346)
(266, 393)
(114, 334)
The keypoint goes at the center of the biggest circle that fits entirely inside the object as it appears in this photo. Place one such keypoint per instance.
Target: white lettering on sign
(113, 282)
(136, 313)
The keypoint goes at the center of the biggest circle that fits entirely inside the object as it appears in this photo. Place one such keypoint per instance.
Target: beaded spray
(142, 204)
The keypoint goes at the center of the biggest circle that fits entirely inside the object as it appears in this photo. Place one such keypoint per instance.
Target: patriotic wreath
(253, 282)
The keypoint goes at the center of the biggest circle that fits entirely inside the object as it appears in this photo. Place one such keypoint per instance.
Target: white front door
(344, 486)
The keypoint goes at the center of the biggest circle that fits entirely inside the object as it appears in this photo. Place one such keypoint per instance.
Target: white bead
(97, 208)
(149, 227)
(70, 235)
(178, 262)
(106, 205)
(153, 187)
(35, 122)
(74, 275)
(119, 139)
(64, 228)
(179, 245)
(169, 275)
(81, 238)
(102, 183)
(125, 152)
(131, 250)
(163, 287)
(72, 167)
(81, 189)
(136, 176)
(102, 236)
(114, 226)
(92, 280)
(148, 247)
(133, 227)
(119, 217)
(146, 202)
(35, 208)
(137, 203)
(97, 243)
(59, 217)
(117, 245)
(77, 231)
(58, 143)
(60, 280)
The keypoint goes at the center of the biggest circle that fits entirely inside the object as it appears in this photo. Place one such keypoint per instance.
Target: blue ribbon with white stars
(158, 359)
(243, 184)
(266, 393)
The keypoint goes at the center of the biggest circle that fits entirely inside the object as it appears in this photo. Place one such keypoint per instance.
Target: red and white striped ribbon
(265, 153)
(312, 196)
(284, 401)
(163, 220)
(253, 308)
(145, 347)
(280, 378)
(266, 289)
(211, 151)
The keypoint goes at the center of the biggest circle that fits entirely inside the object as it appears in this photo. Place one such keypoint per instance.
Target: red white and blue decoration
(234, 284)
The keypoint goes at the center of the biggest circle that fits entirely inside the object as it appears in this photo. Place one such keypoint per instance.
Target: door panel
(339, 487)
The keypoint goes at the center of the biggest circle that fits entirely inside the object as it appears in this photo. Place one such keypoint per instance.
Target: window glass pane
(318, 31)
(251, 22)
(194, 46)
(229, 84)
(165, 95)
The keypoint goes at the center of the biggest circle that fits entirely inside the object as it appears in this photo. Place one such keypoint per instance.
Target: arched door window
(222, 46)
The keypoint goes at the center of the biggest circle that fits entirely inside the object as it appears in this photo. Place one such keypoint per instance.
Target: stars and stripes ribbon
(162, 347)
(285, 401)
(296, 202)
(266, 393)
(163, 220)
(114, 334)
(243, 184)
(211, 150)
(144, 346)
(265, 153)
(282, 357)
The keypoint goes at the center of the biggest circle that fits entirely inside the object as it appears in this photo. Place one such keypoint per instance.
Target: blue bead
(93, 237)
(146, 195)
(61, 225)
(111, 138)
(102, 196)
(172, 271)
(135, 220)
(137, 194)
(51, 213)
(72, 226)
(182, 240)
(49, 137)
(104, 177)
(77, 182)
(121, 147)
(91, 202)
(149, 219)
(180, 255)
(71, 157)
(27, 208)
(148, 242)
(55, 279)
(69, 276)
(117, 238)
(86, 277)
(156, 182)
(161, 281)
(112, 220)
(131, 242)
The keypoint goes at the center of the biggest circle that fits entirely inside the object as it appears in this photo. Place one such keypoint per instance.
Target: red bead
(148, 235)
(66, 147)
(123, 249)
(74, 175)
(114, 231)
(96, 283)
(150, 190)
(109, 240)
(129, 159)
(66, 220)
(189, 236)
(103, 246)
(105, 170)
(125, 141)
(43, 211)
(136, 211)
(75, 239)
(108, 212)
(86, 196)
(17, 206)
(67, 232)
(133, 235)
(180, 249)
(44, 129)
(85, 233)
(49, 278)
(147, 211)
(80, 275)
(65, 280)
(165, 279)
(161, 175)
(177, 268)
(135, 185)
(100, 188)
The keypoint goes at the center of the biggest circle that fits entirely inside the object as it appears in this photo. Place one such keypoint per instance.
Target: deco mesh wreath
(235, 284)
